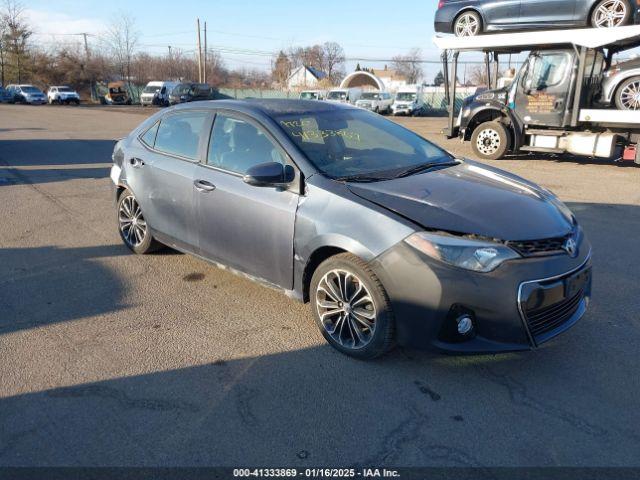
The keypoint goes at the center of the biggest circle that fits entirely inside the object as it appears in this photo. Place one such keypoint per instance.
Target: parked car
(388, 236)
(344, 95)
(27, 94)
(473, 17)
(117, 94)
(190, 92)
(157, 93)
(378, 102)
(5, 96)
(313, 95)
(408, 101)
(63, 94)
(621, 85)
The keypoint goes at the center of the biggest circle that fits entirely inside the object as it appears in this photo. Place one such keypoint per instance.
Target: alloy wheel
(467, 25)
(610, 14)
(132, 224)
(346, 309)
(488, 141)
(630, 96)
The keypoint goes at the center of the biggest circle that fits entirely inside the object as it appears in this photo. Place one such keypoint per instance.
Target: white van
(157, 93)
(409, 100)
(344, 95)
(313, 95)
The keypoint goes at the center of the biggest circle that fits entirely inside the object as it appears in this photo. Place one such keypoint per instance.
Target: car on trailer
(468, 18)
(553, 104)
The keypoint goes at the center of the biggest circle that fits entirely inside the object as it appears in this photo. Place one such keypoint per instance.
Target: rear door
(246, 227)
(160, 172)
(543, 88)
(501, 13)
(548, 12)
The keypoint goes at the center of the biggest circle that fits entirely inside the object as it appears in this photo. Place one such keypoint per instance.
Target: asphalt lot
(107, 358)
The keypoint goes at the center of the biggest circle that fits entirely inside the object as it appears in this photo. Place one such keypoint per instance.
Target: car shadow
(48, 285)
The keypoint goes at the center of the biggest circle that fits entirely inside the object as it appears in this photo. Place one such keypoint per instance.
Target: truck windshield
(150, 89)
(406, 96)
(337, 96)
(370, 96)
(353, 143)
(308, 96)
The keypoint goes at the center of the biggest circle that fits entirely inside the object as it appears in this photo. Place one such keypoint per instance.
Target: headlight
(473, 255)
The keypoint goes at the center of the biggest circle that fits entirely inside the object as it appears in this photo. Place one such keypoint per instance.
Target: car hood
(471, 198)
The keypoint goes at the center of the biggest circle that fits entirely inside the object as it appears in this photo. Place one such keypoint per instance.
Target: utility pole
(199, 52)
(204, 73)
(170, 63)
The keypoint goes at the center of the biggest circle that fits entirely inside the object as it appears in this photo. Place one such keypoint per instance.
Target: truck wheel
(490, 140)
(610, 13)
(628, 94)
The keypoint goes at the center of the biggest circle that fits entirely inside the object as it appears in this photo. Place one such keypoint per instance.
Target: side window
(180, 133)
(149, 137)
(547, 70)
(237, 145)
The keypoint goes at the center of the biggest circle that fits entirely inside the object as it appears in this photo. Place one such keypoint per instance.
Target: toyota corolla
(391, 239)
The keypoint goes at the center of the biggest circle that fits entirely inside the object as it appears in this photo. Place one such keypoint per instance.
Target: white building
(304, 77)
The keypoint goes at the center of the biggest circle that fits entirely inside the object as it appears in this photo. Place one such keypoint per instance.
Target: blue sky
(366, 29)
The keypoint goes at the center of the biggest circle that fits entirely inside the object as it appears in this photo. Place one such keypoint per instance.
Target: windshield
(308, 96)
(30, 90)
(354, 143)
(337, 96)
(116, 90)
(151, 89)
(64, 89)
(406, 96)
(370, 96)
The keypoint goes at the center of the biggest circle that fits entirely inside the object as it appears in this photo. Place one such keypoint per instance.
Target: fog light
(465, 324)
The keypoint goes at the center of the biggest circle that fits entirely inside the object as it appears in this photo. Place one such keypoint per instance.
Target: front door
(246, 227)
(543, 88)
(502, 13)
(534, 12)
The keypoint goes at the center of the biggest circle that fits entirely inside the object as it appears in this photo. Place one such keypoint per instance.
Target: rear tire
(351, 307)
(628, 94)
(610, 14)
(467, 24)
(490, 140)
(132, 226)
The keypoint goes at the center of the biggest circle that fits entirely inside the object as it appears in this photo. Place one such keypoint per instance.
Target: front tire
(628, 94)
(468, 24)
(351, 307)
(611, 13)
(132, 226)
(490, 140)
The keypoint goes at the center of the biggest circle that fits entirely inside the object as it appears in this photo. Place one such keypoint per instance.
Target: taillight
(441, 3)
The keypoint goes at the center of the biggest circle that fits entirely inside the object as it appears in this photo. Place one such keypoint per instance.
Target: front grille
(543, 320)
(547, 246)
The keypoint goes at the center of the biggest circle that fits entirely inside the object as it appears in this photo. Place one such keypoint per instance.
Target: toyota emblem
(571, 247)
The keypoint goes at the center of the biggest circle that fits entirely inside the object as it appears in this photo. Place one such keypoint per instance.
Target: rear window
(180, 133)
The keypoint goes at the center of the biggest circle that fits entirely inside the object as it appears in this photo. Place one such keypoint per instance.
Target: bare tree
(333, 61)
(15, 34)
(122, 40)
(281, 69)
(409, 66)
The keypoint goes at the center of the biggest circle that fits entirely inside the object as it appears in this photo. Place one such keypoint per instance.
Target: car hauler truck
(552, 105)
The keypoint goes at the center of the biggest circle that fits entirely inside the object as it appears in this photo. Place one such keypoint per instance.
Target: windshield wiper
(424, 167)
(362, 178)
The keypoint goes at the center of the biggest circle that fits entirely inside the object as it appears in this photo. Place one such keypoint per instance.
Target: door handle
(204, 186)
(136, 162)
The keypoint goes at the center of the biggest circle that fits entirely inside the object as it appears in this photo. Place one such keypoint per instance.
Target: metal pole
(452, 94)
(204, 74)
(487, 64)
(577, 98)
(199, 52)
(170, 63)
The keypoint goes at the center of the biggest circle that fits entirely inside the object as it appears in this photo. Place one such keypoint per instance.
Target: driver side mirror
(270, 174)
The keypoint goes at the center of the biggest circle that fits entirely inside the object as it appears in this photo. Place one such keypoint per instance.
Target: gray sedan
(621, 85)
(391, 239)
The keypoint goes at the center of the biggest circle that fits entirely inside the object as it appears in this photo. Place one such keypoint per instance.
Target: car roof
(271, 107)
